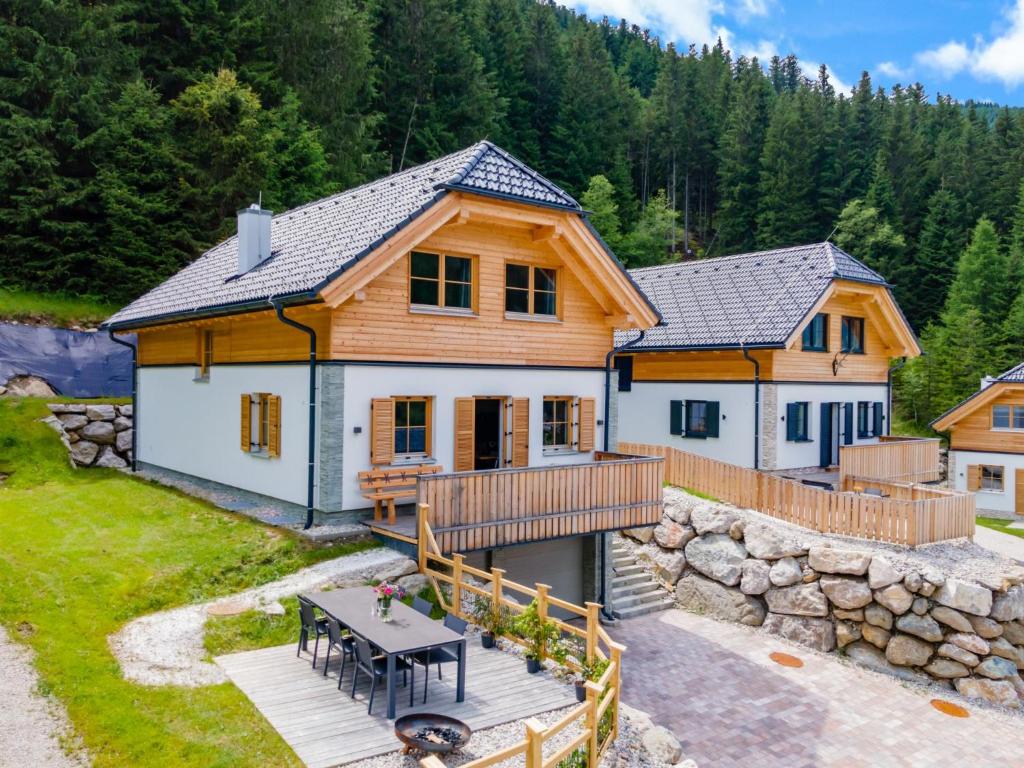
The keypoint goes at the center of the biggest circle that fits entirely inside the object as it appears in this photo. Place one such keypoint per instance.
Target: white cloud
(810, 69)
(892, 69)
(748, 9)
(685, 21)
(1001, 58)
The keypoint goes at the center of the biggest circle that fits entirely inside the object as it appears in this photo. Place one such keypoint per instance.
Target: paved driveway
(714, 686)
(1003, 543)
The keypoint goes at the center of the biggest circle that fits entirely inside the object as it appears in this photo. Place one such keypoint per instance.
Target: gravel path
(166, 648)
(32, 727)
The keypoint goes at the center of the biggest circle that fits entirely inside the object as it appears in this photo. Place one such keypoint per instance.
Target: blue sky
(969, 49)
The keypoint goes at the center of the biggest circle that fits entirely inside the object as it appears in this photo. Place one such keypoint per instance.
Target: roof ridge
(730, 257)
(1008, 371)
(480, 149)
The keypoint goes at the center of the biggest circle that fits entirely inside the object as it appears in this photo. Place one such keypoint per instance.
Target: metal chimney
(253, 237)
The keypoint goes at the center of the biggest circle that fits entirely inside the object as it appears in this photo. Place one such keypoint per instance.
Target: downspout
(757, 406)
(312, 408)
(605, 613)
(135, 384)
(888, 394)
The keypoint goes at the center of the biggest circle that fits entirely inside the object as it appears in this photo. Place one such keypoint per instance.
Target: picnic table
(407, 633)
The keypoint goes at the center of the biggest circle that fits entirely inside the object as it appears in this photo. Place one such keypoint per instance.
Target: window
(437, 280)
(1008, 417)
(694, 418)
(557, 422)
(853, 335)
(864, 420)
(991, 478)
(531, 290)
(412, 426)
(261, 424)
(815, 338)
(798, 426)
(205, 341)
(624, 365)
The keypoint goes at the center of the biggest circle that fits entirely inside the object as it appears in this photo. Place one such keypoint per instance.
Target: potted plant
(538, 634)
(589, 670)
(493, 623)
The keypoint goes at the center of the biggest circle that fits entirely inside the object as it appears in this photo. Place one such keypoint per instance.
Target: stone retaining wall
(919, 625)
(96, 435)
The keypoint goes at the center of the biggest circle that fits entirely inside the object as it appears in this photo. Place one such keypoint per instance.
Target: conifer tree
(599, 199)
(929, 270)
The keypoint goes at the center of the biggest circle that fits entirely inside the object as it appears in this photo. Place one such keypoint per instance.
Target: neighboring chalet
(455, 317)
(986, 443)
(770, 360)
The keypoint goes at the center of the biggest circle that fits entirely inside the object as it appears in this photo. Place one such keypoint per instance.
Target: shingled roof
(1013, 376)
(752, 299)
(313, 244)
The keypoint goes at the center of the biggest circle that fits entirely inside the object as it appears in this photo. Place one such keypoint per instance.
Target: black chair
(422, 606)
(376, 667)
(345, 643)
(438, 656)
(310, 625)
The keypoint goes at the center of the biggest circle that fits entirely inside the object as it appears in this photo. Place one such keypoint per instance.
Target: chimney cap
(255, 208)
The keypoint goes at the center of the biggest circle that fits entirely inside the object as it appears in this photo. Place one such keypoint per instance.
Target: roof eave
(217, 310)
(504, 196)
(622, 268)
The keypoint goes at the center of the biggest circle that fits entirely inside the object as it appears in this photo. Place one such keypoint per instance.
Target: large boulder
(895, 597)
(815, 633)
(845, 592)
(396, 570)
(957, 653)
(73, 420)
(754, 579)
(985, 627)
(924, 627)
(994, 691)
(826, 559)
(969, 598)
(100, 432)
(766, 543)
(671, 535)
(84, 452)
(1009, 606)
(1014, 632)
(668, 566)
(877, 636)
(643, 535)
(908, 651)
(951, 618)
(872, 658)
(946, 669)
(711, 598)
(1007, 650)
(109, 458)
(59, 408)
(970, 642)
(881, 573)
(121, 424)
(878, 615)
(125, 410)
(707, 518)
(100, 412)
(123, 441)
(662, 745)
(798, 600)
(846, 632)
(996, 668)
(785, 572)
(28, 386)
(718, 556)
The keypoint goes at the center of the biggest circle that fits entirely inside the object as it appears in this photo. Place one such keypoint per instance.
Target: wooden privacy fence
(905, 513)
(913, 460)
(496, 508)
(597, 717)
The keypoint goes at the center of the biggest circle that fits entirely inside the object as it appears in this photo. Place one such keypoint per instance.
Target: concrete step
(628, 570)
(628, 579)
(642, 609)
(635, 589)
(653, 595)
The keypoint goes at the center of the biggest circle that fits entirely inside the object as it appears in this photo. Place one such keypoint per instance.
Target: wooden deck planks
(327, 728)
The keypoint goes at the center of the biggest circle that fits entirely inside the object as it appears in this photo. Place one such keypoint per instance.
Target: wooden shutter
(274, 425)
(973, 477)
(587, 411)
(520, 431)
(382, 430)
(879, 416)
(675, 417)
(712, 417)
(246, 423)
(792, 422)
(465, 418)
(847, 423)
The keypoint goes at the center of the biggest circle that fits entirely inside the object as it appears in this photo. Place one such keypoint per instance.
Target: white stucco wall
(444, 384)
(193, 427)
(644, 417)
(792, 455)
(995, 501)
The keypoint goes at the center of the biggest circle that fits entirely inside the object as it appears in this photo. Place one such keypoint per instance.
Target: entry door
(1019, 492)
(830, 432)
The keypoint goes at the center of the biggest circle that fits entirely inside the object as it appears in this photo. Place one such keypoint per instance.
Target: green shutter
(791, 421)
(847, 423)
(675, 417)
(878, 417)
(712, 418)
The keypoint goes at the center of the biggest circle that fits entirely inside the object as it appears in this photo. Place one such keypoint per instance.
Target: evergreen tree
(864, 233)
(599, 199)
(927, 274)
(652, 242)
(981, 264)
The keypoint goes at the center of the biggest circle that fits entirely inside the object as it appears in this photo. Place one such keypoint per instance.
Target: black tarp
(74, 363)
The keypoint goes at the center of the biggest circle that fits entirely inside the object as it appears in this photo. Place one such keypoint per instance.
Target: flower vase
(384, 609)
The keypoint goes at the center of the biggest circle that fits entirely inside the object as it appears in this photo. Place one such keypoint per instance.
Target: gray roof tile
(754, 299)
(1015, 374)
(314, 243)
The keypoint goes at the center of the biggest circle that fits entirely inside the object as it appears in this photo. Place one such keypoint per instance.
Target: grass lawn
(912, 429)
(53, 308)
(84, 551)
(997, 524)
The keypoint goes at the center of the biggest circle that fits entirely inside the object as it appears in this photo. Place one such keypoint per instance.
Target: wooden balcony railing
(496, 508)
(903, 459)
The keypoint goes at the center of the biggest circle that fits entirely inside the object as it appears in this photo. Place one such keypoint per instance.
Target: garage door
(557, 563)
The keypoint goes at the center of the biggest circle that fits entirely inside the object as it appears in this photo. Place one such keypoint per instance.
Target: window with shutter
(797, 424)
(624, 365)
(973, 477)
(587, 415)
(991, 478)
(261, 424)
(204, 354)
(696, 424)
(558, 421)
(675, 417)
(520, 432)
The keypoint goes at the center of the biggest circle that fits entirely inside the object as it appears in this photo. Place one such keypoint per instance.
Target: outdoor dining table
(407, 633)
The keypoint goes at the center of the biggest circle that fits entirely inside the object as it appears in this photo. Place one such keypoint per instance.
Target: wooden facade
(970, 424)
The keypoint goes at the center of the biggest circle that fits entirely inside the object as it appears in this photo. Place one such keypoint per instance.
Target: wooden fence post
(422, 513)
(593, 743)
(592, 620)
(534, 743)
(616, 653)
(496, 587)
(542, 612)
(457, 584)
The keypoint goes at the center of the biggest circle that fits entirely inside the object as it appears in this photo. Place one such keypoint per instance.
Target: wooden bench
(386, 484)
